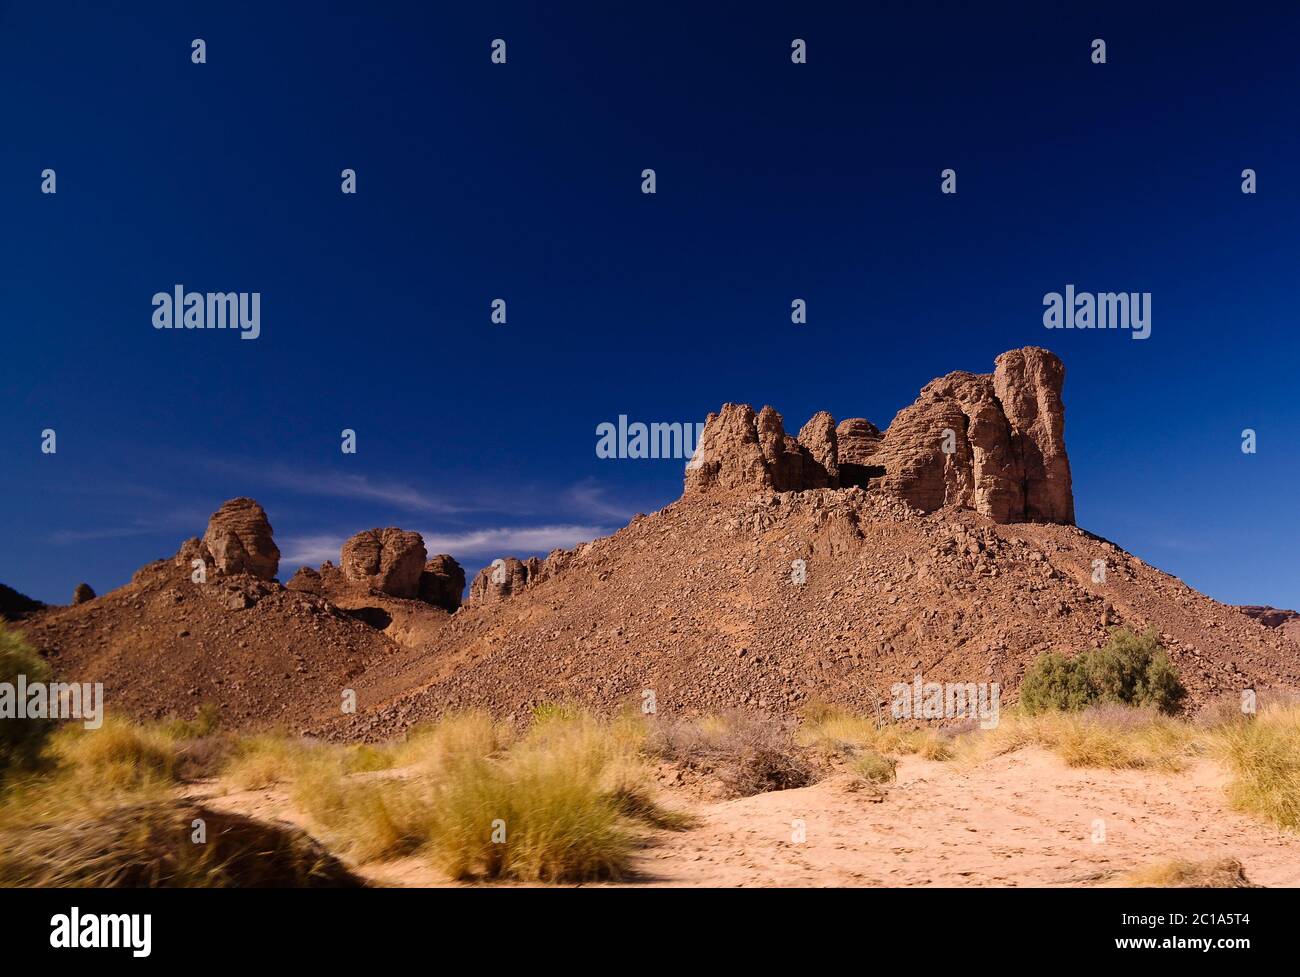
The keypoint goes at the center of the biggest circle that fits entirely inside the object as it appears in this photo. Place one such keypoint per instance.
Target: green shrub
(1130, 669)
(21, 740)
(1055, 682)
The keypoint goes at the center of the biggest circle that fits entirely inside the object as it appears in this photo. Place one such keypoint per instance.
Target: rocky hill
(829, 566)
(824, 566)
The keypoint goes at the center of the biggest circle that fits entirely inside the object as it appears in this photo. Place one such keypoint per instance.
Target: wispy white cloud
(511, 539)
(496, 541)
(312, 551)
(342, 485)
(189, 522)
(589, 498)
(64, 536)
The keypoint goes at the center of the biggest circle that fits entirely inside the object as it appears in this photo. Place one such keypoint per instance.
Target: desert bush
(366, 818)
(1129, 669)
(747, 755)
(564, 803)
(21, 740)
(267, 759)
(831, 732)
(473, 733)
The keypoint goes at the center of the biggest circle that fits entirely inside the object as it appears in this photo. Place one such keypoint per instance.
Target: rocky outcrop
(239, 540)
(192, 549)
(502, 578)
(388, 560)
(1028, 384)
(442, 583)
(856, 439)
(728, 456)
(952, 447)
(1285, 622)
(82, 593)
(817, 438)
(990, 442)
(307, 581)
(743, 451)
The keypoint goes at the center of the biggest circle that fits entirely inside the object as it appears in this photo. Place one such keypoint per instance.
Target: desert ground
(1024, 819)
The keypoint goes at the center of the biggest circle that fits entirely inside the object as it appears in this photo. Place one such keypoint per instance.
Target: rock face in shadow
(991, 442)
(442, 582)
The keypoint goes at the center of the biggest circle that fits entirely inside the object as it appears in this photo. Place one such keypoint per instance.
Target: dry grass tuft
(152, 844)
(1263, 756)
(1223, 873)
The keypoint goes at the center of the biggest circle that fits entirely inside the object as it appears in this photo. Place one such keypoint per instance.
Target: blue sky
(522, 181)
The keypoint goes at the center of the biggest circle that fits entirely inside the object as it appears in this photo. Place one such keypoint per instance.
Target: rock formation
(502, 579)
(238, 540)
(818, 438)
(1284, 621)
(388, 560)
(989, 442)
(1028, 383)
(82, 593)
(306, 580)
(856, 439)
(442, 583)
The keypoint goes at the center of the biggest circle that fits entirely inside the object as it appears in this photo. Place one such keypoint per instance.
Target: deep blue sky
(522, 181)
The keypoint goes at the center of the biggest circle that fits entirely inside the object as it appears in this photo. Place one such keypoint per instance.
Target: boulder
(239, 539)
(82, 593)
(388, 560)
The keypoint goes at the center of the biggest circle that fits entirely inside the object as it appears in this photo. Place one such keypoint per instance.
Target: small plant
(205, 723)
(873, 767)
(1130, 670)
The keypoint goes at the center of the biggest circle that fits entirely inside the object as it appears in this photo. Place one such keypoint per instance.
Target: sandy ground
(1019, 820)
